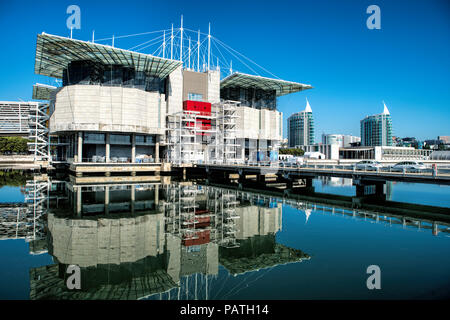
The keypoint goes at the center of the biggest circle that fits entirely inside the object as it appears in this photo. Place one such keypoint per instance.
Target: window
(120, 139)
(96, 138)
(195, 96)
(145, 140)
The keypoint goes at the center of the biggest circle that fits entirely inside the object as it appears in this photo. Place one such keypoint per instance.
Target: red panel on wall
(203, 109)
(200, 237)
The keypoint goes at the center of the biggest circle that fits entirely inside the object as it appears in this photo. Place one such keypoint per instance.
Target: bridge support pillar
(261, 178)
(79, 205)
(106, 200)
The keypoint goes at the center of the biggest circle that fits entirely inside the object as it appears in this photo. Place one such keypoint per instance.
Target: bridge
(420, 217)
(439, 176)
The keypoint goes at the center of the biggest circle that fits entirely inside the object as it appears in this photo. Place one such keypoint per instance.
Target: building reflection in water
(152, 240)
(348, 182)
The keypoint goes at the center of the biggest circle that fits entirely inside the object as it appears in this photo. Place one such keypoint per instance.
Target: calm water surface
(184, 241)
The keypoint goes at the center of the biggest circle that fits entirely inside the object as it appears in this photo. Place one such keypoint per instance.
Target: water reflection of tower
(389, 189)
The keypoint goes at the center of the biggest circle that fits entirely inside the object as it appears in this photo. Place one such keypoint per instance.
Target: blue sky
(322, 43)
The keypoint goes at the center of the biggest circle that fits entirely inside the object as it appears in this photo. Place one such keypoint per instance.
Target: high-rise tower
(376, 130)
(301, 127)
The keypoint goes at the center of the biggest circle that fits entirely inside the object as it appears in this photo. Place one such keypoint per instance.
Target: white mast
(189, 54)
(171, 44)
(113, 41)
(164, 44)
(209, 42)
(71, 32)
(181, 41)
(93, 32)
(198, 52)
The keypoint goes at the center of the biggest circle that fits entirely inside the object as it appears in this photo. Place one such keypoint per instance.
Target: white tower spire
(385, 110)
(308, 107)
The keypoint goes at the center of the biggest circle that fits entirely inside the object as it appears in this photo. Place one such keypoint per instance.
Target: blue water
(15, 266)
(419, 193)
(11, 194)
(414, 263)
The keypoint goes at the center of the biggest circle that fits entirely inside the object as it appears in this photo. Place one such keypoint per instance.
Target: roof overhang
(281, 87)
(42, 91)
(54, 53)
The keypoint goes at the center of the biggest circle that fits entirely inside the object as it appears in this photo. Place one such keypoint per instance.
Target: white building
(342, 140)
(117, 105)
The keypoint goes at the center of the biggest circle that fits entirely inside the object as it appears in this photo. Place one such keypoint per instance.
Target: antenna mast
(164, 44)
(189, 54)
(198, 52)
(171, 44)
(209, 42)
(181, 41)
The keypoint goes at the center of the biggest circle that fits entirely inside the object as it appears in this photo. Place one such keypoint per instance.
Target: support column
(157, 149)
(80, 147)
(106, 200)
(79, 202)
(133, 197)
(156, 195)
(107, 148)
(133, 148)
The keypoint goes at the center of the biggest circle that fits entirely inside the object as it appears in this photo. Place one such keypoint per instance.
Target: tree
(293, 151)
(13, 145)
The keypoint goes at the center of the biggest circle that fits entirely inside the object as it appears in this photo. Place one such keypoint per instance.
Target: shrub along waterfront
(13, 145)
(293, 151)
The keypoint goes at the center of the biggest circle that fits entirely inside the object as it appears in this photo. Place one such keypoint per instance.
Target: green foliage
(13, 145)
(294, 151)
(13, 178)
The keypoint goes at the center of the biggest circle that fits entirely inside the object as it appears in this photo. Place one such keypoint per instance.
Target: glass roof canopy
(281, 87)
(54, 53)
(42, 91)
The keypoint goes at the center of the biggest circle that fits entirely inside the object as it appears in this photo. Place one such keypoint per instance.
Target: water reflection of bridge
(421, 217)
(151, 241)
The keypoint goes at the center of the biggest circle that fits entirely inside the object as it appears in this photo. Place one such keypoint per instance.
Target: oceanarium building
(121, 106)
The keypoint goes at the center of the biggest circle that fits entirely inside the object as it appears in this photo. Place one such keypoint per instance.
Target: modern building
(388, 153)
(376, 130)
(28, 120)
(121, 106)
(301, 127)
(445, 139)
(341, 140)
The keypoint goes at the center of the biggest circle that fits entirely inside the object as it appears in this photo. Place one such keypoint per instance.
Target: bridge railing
(338, 167)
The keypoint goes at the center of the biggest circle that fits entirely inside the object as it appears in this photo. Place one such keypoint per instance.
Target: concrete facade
(102, 108)
(88, 243)
(259, 124)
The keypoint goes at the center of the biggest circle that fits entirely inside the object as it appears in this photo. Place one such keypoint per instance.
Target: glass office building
(376, 130)
(301, 128)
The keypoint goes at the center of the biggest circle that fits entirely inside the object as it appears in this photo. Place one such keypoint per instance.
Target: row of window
(88, 72)
(100, 138)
